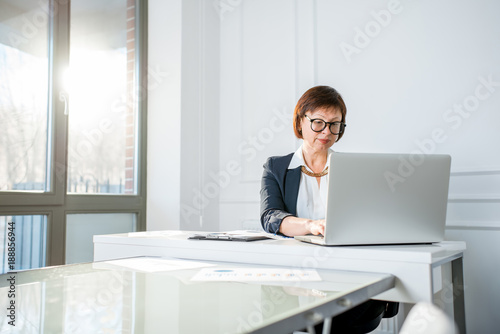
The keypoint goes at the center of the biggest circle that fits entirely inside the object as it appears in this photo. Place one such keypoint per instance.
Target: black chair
(363, 318)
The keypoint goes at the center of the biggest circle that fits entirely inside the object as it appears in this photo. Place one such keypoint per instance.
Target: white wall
(164, 114)
(418, 83)
(200, 116)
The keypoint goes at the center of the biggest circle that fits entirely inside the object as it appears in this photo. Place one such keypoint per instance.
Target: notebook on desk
(385, 199)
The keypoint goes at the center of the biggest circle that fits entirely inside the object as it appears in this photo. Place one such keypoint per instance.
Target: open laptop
(378, 198)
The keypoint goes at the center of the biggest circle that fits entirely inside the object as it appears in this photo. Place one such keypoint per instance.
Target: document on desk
(151, 265)
(232, 236)
(256, 275)
(149, 234)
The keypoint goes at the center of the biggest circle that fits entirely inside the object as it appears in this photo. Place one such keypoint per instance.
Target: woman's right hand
(292, 226)
(316, 226)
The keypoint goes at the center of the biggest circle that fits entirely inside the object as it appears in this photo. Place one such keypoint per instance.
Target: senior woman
(294, 189)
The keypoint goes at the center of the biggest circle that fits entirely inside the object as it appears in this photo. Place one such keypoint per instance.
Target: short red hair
(314, 98)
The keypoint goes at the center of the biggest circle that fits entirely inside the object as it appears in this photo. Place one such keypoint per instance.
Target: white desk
(417, 268)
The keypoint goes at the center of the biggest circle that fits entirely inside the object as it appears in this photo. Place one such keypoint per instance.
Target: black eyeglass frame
(341, 129)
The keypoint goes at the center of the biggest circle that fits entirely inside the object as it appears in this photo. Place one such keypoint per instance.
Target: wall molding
(474, 185)
(472, 225)
(474, 198)
(475, 172)
(199, 113)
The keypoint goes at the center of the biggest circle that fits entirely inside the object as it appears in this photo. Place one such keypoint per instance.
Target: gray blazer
(278, 193)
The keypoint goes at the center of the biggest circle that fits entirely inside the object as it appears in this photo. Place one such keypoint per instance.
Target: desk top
(417, 268)
(163, 295)
(426, 253)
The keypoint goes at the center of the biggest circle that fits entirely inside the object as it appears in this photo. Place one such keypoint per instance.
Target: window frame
(56, 203)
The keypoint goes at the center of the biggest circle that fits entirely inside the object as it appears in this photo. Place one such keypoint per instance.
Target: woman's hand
(292, 226)
(316, 226)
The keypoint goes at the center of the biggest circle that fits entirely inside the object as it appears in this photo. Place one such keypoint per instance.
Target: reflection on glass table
(166, 295)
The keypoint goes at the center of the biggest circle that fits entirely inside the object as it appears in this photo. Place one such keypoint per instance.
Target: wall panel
(416, 77)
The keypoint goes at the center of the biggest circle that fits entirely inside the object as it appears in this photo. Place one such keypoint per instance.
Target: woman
(294, 188)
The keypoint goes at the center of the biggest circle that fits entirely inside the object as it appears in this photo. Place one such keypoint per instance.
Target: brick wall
(130, 119)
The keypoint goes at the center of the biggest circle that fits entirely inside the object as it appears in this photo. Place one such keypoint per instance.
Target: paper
(255, 275)
(148, 234)
(156, 264)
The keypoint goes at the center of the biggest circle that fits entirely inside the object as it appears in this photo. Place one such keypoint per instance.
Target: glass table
(167, 295)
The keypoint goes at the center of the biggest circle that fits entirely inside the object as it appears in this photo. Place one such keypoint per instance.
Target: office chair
(361, 319)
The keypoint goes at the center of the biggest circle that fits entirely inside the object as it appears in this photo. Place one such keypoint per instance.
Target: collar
(298, 159)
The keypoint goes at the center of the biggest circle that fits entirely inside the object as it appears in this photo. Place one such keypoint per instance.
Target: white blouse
(311, 200)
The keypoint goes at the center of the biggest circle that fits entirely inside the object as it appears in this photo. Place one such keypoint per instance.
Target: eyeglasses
(318, 125)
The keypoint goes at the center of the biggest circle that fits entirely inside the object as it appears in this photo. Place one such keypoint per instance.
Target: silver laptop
(385, 199)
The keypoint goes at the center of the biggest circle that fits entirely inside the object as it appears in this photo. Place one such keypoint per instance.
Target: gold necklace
(305, 171)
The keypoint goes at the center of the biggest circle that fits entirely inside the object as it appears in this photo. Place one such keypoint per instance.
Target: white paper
(148, 234)
(255, 275)
(156, 264)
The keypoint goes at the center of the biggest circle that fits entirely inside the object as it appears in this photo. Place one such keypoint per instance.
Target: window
(29, 238)
(72, 125)
(24, 70)
(101, 85)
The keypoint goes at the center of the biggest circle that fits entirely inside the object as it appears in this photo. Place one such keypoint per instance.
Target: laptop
(378, 198)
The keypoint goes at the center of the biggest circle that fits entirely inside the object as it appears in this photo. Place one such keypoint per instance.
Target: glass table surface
(166, 295)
